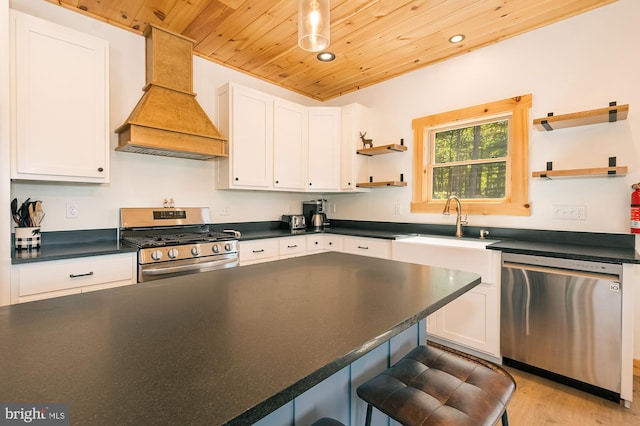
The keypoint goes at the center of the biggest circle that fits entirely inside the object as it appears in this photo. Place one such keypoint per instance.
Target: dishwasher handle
(559, 271)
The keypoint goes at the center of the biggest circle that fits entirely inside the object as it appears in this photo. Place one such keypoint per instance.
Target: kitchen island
(223, 347)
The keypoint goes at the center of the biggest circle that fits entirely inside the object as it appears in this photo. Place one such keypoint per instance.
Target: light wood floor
(538, 401)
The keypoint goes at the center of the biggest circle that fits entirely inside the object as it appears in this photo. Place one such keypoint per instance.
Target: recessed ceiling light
(456, 38)
(326, 56)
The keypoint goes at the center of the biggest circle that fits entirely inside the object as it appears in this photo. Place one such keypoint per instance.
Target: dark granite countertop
(220, 347)
(568, 251)
(72, 244)
(69, 251)
(574, 245)
(354, 232)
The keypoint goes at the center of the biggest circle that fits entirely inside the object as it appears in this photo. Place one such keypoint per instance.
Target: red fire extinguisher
(635, 209)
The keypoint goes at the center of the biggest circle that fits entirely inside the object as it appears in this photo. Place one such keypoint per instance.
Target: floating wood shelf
(598, 171)
(376, 184)
(384, 149)
(610, 114)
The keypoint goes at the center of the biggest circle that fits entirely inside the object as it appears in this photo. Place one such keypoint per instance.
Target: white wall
(578, 64)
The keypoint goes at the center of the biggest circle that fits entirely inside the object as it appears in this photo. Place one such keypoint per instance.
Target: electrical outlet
(398, 209)
(569, 212)
(72, 211)
(333, 207)
(224, 211)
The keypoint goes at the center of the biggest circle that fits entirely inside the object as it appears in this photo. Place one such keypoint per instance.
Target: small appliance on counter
(314, 212)
(295, 221)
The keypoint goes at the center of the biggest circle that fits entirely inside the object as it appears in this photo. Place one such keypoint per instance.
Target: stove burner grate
(159, 240)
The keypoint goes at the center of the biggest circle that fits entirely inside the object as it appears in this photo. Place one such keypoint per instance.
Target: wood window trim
(517, 201)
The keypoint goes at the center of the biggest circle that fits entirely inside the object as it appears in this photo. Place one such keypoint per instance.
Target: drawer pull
(88, 274)
(363, 247)
(259, 251)
(293, 246)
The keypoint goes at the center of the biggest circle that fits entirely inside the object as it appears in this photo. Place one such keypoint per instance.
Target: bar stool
(327, 421)
(435, 385)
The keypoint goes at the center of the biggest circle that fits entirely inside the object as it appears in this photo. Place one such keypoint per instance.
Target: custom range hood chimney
(168, 120)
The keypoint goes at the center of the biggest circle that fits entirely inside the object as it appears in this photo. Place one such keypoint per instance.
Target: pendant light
(313, 25)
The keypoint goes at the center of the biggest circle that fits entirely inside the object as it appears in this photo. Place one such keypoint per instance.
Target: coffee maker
(314, 212)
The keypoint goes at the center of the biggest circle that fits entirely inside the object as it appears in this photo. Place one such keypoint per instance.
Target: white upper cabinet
(324, 149)
(355, 120)
(59, 103)
(245, 116)
(290, 144)
(277, 145)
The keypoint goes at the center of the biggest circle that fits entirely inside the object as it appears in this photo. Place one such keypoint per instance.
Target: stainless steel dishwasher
(562, 319)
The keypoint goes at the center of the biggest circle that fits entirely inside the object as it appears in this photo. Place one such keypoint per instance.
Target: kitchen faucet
(459, 221)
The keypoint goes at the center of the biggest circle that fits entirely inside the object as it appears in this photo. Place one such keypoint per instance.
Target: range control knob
(156, 255)
(227, 247)
(173, 253)
(216, 248)
(195, 251)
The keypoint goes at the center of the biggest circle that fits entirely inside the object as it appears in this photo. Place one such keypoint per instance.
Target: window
(477, 153)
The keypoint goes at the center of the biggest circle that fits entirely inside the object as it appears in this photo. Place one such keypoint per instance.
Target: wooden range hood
(168, 120)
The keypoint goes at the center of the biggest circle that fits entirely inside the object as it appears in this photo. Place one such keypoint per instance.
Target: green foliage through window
(471, 161)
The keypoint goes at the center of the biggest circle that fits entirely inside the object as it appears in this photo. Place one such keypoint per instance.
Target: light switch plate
(569, 212)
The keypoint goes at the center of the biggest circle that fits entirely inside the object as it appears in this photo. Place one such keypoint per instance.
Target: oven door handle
(569, 272)
(188, 267)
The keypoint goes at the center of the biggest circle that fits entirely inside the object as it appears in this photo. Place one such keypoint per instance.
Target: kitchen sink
(460, 242)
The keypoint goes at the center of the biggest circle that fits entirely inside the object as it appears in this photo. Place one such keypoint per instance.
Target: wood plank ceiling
(374, 40)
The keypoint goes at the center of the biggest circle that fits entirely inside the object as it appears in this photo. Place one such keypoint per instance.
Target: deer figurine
(366, 142)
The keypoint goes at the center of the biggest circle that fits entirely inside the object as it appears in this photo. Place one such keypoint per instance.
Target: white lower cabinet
(258, 251)
(292, 247)
(473, 319)
(332, 242)
(323, 242)
(373, 247)
(315, 243)
(269, 249)
(43, 280)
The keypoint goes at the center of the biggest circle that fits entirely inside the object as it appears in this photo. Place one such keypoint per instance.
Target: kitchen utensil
(31, 214)
(24, 214)
(39, 214)
(14, 211)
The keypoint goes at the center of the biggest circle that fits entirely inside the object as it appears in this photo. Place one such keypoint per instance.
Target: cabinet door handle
(363, 247)
(81, 275)
(100, 169)
(259, 251)
(293, 246)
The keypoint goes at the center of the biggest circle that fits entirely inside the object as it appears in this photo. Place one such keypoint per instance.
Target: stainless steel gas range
(176, 241)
